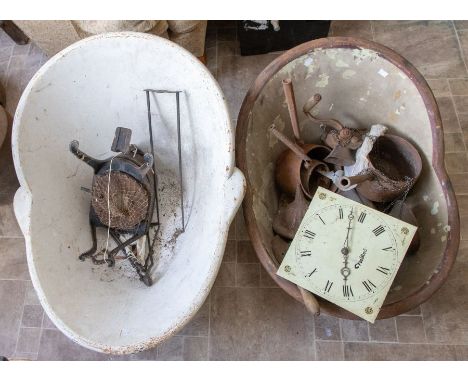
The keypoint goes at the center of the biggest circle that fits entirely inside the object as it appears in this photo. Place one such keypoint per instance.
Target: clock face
(347, 253)
(346, 266)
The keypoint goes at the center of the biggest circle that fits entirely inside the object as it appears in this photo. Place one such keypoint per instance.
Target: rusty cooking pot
(290, 170)
(396, 166)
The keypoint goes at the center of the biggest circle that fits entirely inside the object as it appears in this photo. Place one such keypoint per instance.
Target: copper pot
(291, 170)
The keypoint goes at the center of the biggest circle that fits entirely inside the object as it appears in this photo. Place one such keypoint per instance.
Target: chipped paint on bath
(348, 73)
(323, 81)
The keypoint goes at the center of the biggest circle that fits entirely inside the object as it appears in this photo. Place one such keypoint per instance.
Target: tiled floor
(246, 316)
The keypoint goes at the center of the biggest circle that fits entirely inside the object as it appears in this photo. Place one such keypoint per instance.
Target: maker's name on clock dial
(349, 254)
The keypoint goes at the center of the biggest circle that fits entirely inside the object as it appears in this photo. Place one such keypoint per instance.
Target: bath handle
(234, 191)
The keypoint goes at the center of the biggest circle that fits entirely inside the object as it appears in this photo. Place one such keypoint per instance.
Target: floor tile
(461, 24)
(241, 228)
(232, 231)
(418, 40)
(445, 312)
(464, 227)
(459, 86)
(171, 349)
(354, 330)
(462, 201)
(198, 326)
(13, 264)
(28, 340)
(11, 309)
(461, 353)
(246, 252)
(413, 312)
(31, 295)
(351, 28)
(248, 275)
(460, 183)
(266, 281)
(456, 163)
(212, 60)
(327, 328)
(47, 322)
(19, 356)
(226, 275)
(454, 142)
(227, 34)
(410, 329)
(228, 48)
(230, 253)
(463, 118)
(362, 351)
(237, 73)
(461, 104)
(195, 349)
(439, 86)
(32, 316)
(448, 114)
(55, 346)
(463, 36)
(8, 225)
(383, 331)
(329, 350)
(258, 324)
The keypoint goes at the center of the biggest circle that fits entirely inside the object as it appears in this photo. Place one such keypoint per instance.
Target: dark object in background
(260, 36)
(14, 32)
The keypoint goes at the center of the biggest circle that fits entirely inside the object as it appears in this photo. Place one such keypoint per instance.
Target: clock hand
(345, 249)
(345, 271)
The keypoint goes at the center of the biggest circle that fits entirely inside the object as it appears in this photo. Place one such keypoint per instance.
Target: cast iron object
(291, 102)
(290, 214)
(280, 247)
(401, 210)
(291, 171)
(353, 195)
(132, 166)
(448, 256)
(343, 140)
(300, 165)
(396, 166)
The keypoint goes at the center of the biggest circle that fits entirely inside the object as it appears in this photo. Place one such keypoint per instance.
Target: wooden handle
(291, 102)
(310, 301)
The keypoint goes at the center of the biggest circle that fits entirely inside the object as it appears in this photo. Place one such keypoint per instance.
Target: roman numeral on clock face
(377, 231)
(328, 286)
(383, 270)
(362, 217)
(311, 273)
(369, 285)
(321, 219)
(340, 212)
(306, 253)
(309, 234)
(347, 291)
(387, 249)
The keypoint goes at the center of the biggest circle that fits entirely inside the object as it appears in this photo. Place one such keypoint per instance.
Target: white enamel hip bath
(84, 93)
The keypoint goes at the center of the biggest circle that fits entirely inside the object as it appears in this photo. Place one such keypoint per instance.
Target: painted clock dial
(347, 253)
(345, 269)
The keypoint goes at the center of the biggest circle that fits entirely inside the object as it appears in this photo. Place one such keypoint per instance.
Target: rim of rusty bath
(442, 271)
